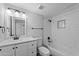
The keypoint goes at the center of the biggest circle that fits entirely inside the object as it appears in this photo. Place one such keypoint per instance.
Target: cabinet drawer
(33, 44)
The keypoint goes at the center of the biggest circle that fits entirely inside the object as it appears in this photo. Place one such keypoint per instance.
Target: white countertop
(21, 40)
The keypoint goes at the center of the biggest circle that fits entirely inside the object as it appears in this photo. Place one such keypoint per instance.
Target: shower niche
(17, 27)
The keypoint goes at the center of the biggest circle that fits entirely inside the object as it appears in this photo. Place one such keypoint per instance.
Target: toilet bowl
(43, 51)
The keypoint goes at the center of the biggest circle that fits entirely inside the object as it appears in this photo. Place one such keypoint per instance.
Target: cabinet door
(32, 48)
(7, 51)
(21, 49)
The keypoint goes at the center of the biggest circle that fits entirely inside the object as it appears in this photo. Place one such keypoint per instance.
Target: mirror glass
(17, 26)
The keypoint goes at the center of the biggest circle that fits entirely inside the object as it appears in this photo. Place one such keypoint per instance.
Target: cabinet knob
(32, 52)
(13, 47)
(16, 47)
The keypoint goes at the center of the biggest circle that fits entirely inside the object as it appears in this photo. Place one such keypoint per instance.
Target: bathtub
(55, 52)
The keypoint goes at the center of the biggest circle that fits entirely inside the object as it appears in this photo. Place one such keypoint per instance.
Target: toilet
(43, 51)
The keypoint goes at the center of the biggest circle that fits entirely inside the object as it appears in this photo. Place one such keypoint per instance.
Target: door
(32, 48)
(7, 51)
(21, 49)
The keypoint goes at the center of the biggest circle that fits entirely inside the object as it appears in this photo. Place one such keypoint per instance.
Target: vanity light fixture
(16, 10)
(16, 13)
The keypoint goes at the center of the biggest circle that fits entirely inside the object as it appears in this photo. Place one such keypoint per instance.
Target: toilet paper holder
(49, 39)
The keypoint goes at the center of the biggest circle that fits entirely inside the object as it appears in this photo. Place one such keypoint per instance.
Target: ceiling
(49, 9)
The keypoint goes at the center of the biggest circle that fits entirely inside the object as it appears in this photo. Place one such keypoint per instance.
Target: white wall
(67, 40)
(47, 31)
(2, 22)
(33, 20)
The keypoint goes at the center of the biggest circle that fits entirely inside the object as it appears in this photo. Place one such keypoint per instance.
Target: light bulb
(9, 12)
(23, 15)
(17, 14)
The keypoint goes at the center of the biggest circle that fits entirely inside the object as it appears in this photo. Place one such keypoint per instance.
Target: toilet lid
(44, 50)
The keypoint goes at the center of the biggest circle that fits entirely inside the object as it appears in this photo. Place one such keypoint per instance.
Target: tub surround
(54, 51)
(67, 40)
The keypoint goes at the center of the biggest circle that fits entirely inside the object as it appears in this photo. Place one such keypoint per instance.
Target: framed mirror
(17, 26)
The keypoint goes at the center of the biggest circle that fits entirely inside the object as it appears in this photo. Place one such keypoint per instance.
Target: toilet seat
(44, 51)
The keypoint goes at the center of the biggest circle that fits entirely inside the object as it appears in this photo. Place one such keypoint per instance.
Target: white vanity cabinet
(7, 51)
(20, 49)
(26, 49)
